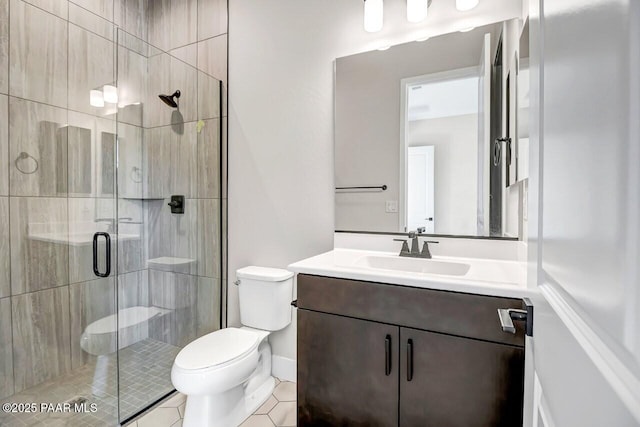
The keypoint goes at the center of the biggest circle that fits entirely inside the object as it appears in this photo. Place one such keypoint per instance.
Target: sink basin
(413, 265)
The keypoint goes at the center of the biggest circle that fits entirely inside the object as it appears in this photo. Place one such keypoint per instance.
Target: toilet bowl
(226, 374)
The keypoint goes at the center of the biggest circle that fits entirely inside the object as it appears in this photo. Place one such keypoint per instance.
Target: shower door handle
(107, 238)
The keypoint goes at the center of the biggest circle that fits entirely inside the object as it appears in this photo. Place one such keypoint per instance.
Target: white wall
(281, 55)
(455, 141)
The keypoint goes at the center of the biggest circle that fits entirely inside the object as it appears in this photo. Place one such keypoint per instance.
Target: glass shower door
(168, 173)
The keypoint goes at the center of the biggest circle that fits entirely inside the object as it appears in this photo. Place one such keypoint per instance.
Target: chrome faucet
(415, 251)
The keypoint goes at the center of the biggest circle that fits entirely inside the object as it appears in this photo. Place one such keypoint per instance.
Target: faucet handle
(405, 246)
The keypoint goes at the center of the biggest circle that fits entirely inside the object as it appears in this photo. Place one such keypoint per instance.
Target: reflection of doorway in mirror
(420, 188)
(440, 113)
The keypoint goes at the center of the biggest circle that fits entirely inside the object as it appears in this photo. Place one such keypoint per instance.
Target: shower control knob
(177, 204)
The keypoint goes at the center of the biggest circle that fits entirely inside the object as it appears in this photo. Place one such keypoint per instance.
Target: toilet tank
(265, 296)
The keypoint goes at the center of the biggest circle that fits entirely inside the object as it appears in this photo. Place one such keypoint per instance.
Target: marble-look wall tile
(132, 80)
(41, 342)
(208, 237)
(131, 15)
(102, 26)
(37, 149)
(39, 243)
(209, 160)
(80, 177)
(86, 217)
(91, 158)
(59, 8)
(212, 18)
(4, 144)
(133, 289)
(130, 169)
(91, 301)
(209, 92)
(178, 15)
(102, 8)
(225, 158)
(225, 240)
(157, 162)
(91, 66)
(184, 162)
(5, 252)
(208, 305)
(212, 57)
(188, 54)
(4, 46)
(167, 74)
(175, 293)
(131, 238)
(38, 55)
(6, 353)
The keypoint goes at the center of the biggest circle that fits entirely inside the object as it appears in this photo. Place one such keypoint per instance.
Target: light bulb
(110, 94)
(373, 15)
(464, 5)
(416, 10)
(96, 99)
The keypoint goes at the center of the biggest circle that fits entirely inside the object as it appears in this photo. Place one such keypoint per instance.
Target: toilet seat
(217, 349)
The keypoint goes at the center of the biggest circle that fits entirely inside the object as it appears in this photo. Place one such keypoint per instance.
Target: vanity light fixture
(373, 15)
(423, 39)
(110, 94)
(96, 99)
(464, 5)
(417, 10)
(466, 30)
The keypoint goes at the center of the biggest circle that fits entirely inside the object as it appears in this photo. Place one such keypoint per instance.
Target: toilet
(226, 375)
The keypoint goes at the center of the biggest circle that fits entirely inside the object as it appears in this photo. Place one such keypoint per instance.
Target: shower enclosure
(110, 206)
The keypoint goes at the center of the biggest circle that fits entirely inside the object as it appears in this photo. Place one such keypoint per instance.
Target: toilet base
(228, 409)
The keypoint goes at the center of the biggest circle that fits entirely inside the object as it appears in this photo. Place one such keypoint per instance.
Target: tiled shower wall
(58, 180)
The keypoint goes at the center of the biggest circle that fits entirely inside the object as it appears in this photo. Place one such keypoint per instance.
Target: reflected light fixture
(96, 99)
(110, 94)
(417, 10)
(464, 5)
(373, 15)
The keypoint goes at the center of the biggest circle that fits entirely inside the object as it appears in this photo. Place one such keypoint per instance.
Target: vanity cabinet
(373, 354)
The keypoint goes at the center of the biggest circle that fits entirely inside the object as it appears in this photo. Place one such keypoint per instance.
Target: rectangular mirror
(425, 135)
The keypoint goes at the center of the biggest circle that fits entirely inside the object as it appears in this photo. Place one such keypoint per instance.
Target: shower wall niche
(87, 146)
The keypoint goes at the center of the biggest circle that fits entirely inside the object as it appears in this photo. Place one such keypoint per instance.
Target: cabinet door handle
(409, 360)
(387, 355)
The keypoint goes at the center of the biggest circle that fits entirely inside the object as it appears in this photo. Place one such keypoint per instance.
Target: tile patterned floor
(278, 411)
(144, 378)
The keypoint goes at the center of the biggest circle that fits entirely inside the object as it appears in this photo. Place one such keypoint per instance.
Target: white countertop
(503, 278)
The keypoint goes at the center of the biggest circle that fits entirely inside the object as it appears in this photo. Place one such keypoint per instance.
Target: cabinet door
(347, 371)
(449, 381)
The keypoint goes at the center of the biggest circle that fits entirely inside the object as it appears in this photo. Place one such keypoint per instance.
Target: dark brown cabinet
(350, 373)
(381, 355)
(449, 381)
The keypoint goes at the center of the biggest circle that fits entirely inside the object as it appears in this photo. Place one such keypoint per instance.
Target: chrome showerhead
(171, 100)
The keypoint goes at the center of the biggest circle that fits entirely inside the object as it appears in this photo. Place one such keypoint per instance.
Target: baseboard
(284, 368)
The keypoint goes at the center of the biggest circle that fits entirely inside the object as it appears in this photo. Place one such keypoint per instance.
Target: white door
(484, 135)
(420, 188)
(584, 218)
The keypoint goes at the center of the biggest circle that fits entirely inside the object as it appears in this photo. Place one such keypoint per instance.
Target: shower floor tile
(145, 376)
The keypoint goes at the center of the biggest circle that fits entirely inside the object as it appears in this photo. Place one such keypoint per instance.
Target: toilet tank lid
(264, 273)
